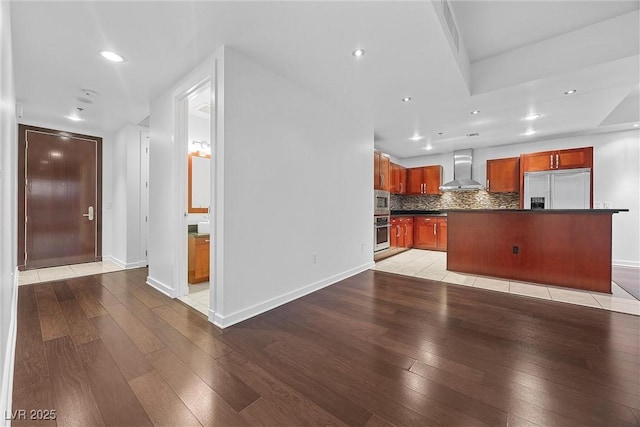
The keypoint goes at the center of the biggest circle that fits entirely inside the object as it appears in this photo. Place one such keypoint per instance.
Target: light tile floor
(65, 272)
(433, 265)
(198, 298)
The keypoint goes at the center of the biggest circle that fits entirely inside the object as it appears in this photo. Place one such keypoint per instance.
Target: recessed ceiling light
(111, 56)
(636, 125)
(529, 132)
(428, 147)
(533, 116)
(75, 116)
(406, 99)
(474, 112)
(570, 92)
(358, 53)
(416, 137)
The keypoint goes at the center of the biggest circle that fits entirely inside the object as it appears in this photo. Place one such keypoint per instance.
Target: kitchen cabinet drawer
(503, 175)
(199, 254)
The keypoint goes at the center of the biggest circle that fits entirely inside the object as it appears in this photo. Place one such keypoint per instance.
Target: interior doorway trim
(23, 129)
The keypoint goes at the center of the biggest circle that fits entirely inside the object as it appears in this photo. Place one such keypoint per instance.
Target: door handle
(89, 214)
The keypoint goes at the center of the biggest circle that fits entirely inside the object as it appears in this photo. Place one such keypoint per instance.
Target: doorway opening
(198, 157)
(59, 198)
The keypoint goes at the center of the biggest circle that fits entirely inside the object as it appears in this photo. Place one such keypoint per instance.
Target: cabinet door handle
(488, 185)
(551, 161)
(557, 161)
(206, 241)
(405, 229)
(401, 187)
(397, 231)
(434, 228)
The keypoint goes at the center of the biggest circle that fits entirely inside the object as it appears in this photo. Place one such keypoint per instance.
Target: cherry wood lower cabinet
(199, 258)
(562, 248)
(401, 234)
(430, 232)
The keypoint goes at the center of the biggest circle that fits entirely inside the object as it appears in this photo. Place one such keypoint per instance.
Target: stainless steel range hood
(462, 173)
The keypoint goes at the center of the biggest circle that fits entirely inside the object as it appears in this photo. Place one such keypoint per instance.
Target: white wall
(297, 181)
(8, 209)
(125, 176)
(616, 178)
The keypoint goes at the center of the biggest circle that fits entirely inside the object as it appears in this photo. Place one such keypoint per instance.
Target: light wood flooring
(377, 349)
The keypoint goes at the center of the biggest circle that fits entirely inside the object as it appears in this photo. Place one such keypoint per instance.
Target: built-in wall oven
(381, 202)
(381, 227)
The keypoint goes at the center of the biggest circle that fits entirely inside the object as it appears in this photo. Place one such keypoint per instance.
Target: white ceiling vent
(446, 11)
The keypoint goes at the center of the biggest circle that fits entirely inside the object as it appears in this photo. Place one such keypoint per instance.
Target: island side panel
(564, 249)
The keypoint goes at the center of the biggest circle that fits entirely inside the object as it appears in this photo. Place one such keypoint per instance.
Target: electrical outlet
(607, 205)
(516, 250)
(597, 205)
(314, 257)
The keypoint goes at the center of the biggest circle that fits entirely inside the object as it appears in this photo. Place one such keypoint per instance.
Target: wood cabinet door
(425, 232)
(442, 234)
(400, 232)
(414, 181)
(503, 175)
(393, 234)
(408, 232)
(385, 172)
(402, 180)
(376, 170)
(542, 161)
(202, 260)
(395, 179)
(574, 158)
(433, 178)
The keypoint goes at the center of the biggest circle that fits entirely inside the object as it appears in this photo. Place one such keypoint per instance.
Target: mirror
(199, 182)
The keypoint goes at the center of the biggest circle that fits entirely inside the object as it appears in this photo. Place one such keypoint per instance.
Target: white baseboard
(125, 265)
(6, 390)
(624, 263)
(161, 287)
(254, 310)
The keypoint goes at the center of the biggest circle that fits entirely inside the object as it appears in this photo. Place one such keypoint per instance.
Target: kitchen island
(570, 248)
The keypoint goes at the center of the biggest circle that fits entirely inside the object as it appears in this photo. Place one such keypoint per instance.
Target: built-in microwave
(381, 202)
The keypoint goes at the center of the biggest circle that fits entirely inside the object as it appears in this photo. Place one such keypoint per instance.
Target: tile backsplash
(479, 199)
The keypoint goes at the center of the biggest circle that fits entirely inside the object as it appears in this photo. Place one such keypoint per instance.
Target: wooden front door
(61, 199)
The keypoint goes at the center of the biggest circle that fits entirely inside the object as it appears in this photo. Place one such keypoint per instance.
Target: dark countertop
(541, 211)
(412, 213)
(196, 234)
(544, 211)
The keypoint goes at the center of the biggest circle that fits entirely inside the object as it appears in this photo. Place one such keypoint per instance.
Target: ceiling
(514, 58)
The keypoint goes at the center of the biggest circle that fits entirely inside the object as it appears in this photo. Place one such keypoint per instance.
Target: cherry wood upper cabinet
(503, 175)
(424, 180)
(398, 179)
(381, 171)
(558, 159)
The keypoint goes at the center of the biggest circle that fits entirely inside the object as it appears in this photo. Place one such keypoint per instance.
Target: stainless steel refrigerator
(559, 189)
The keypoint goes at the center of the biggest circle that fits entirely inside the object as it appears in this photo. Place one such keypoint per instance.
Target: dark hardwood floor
(376, 349)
